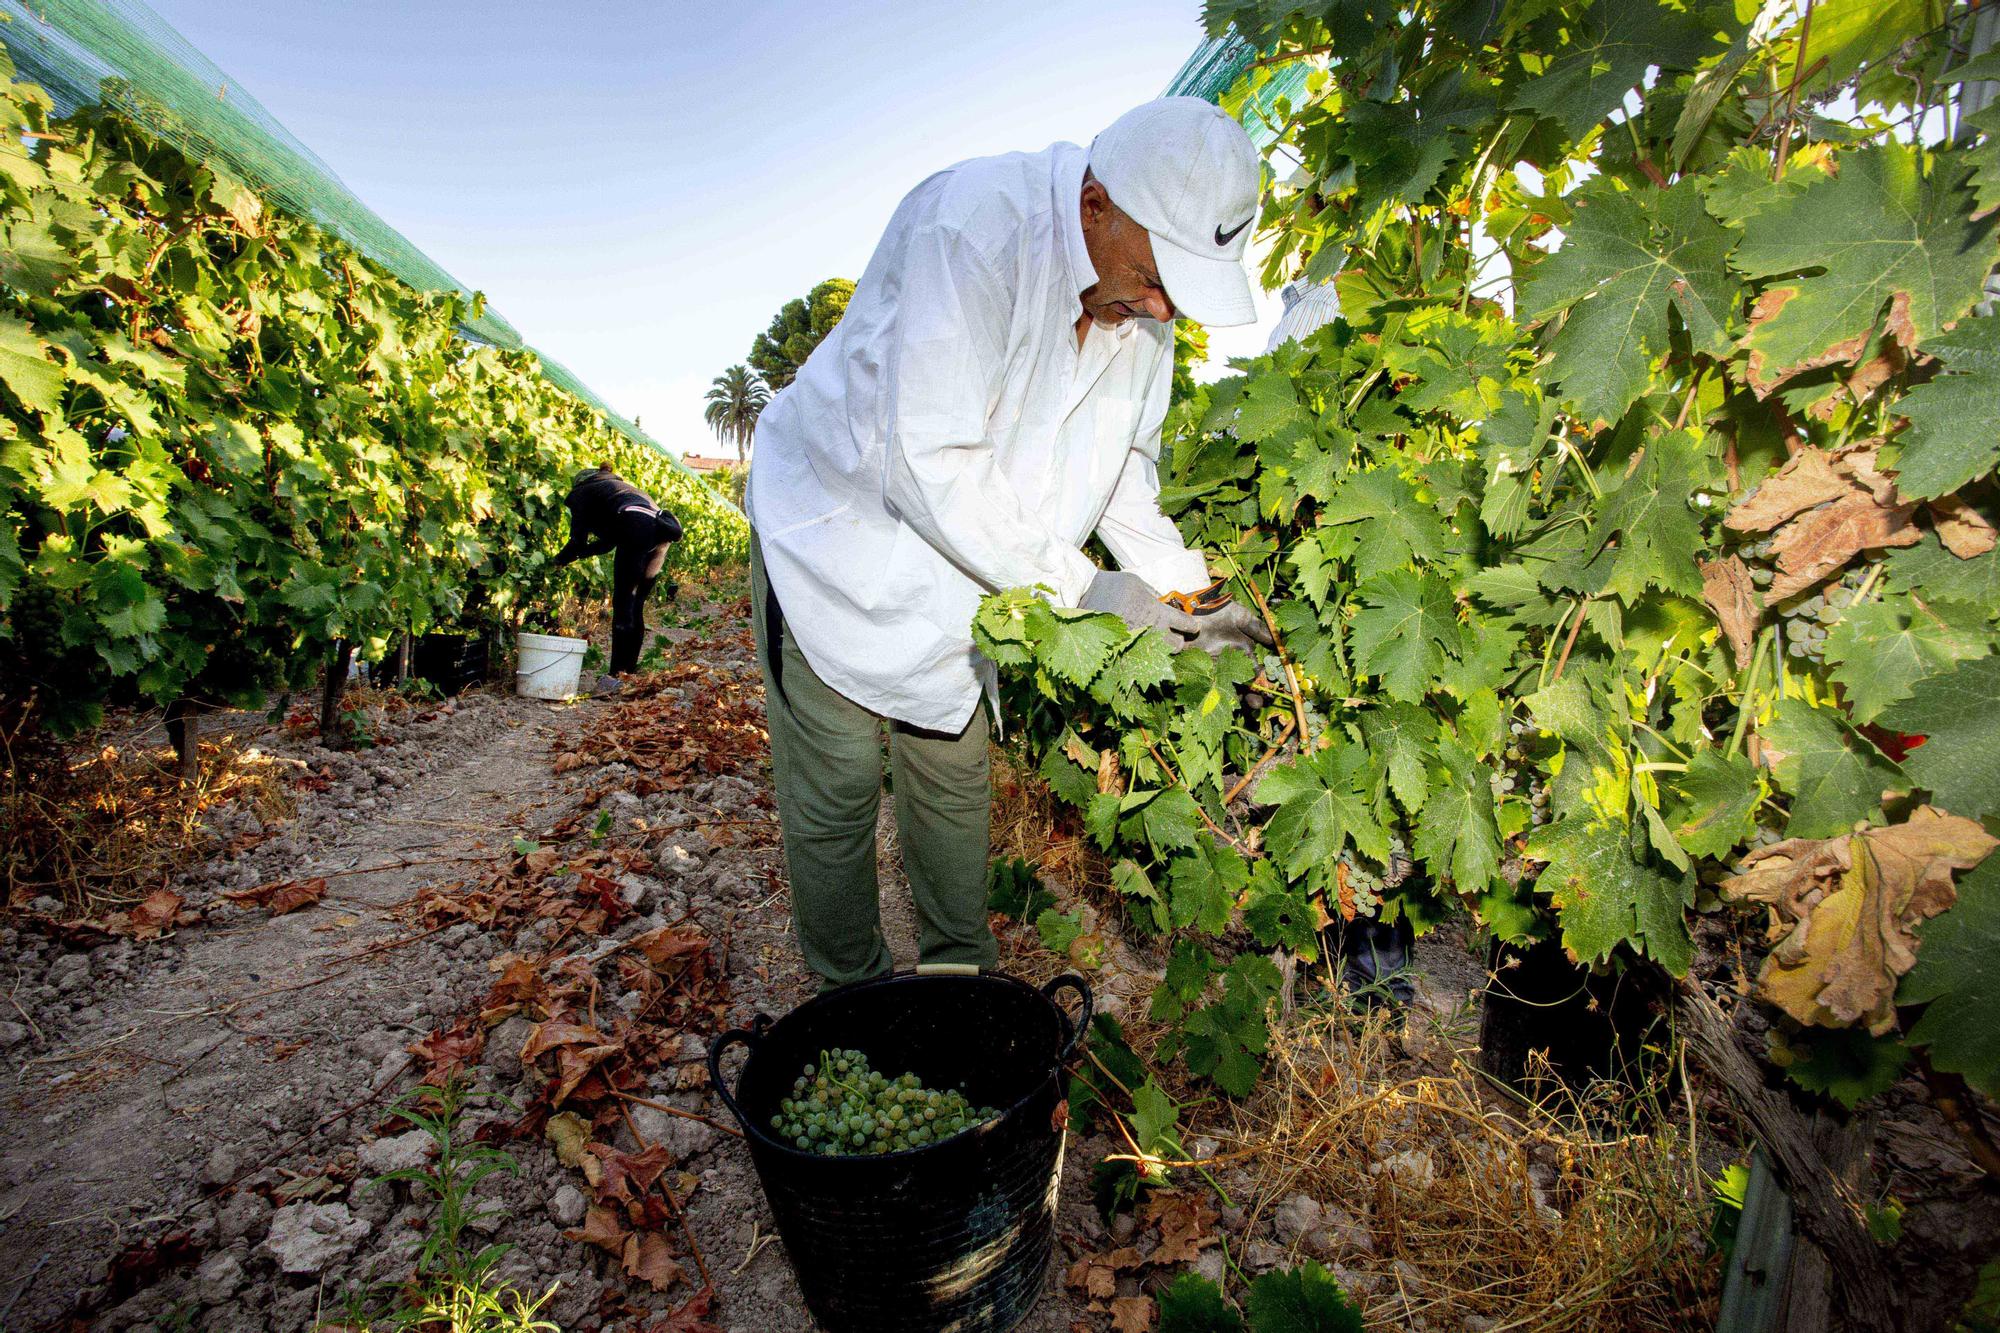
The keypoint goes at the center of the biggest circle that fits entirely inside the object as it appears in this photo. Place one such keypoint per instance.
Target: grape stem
(1277, 743)
(1277, 646)
(1747, 705)
(1175, 779)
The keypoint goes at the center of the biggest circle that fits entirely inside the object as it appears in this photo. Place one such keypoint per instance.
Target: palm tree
(734, 401)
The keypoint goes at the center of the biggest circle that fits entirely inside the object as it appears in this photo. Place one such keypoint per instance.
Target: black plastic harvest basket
(952, 1237)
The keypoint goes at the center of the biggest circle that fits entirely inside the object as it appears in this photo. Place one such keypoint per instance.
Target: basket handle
(1079, 1025)
(750, 1037)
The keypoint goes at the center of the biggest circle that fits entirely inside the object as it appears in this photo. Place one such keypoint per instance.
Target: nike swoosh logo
(1225, 237)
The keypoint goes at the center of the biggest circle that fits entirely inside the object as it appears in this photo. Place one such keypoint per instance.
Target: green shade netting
(1219, 62)
(120, 54)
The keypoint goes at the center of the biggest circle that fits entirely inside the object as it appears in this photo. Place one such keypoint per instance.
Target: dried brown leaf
(152, 917)
(650, 1259)
(568, 1133)
(1729, 592)
(280, 896)
(1806, 480)
(1964, 531)
(1817, 543)
(1132, 1314)
(602, 1227)
(557, 1033)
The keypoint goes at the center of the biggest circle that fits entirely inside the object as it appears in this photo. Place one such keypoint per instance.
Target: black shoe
(1376, 959)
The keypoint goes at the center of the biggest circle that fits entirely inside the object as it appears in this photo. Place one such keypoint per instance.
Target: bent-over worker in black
(609, 513)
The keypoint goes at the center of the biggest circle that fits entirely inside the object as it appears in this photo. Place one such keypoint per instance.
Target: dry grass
(1448, 1211)
(99, 826)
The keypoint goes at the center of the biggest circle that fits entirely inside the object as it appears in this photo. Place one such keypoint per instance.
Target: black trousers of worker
(643, 538)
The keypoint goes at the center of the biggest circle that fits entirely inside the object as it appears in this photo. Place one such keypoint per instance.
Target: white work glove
(1133, 601)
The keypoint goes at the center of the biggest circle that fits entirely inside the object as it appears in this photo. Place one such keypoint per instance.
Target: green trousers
(826, 760)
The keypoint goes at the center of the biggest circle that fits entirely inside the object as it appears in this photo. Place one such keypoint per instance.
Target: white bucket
(548, 665)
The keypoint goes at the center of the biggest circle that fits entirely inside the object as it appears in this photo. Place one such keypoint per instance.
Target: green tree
(734, 400)
(802, 325)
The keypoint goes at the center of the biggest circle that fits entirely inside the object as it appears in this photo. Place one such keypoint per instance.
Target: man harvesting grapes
(992, 398)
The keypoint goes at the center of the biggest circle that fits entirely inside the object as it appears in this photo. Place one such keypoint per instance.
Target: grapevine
(230, 446)
(1611, 604)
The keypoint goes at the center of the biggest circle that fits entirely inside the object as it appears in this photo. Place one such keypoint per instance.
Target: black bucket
(953, 1237)
(1540, 1006)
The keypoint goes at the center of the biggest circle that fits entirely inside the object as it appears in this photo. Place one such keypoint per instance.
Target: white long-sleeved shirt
(949, 438)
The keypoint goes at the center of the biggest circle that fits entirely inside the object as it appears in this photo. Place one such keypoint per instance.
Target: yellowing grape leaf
(1889, 248)
(1843, 909)
(35, 381)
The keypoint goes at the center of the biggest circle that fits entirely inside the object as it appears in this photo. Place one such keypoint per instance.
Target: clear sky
(640, 186)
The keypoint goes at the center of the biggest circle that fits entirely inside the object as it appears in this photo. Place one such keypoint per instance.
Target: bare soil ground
(197, 1117)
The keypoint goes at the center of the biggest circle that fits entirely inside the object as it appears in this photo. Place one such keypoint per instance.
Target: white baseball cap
(1187, 173)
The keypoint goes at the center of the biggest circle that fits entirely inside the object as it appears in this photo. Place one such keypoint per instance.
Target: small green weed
(454, 1289)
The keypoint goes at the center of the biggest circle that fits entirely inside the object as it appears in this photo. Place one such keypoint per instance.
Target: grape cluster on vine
(840, 1107)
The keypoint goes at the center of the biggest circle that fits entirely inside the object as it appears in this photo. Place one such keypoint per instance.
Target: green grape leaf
(1406, 630)
(1846, 1064)
(1319, 809)
(1171, 820)
(1066, 779)
(1627, 258)
(1950, 439)
(1224, 1040)
(1884, 237)
(1879, 650)
(35, 381)
(126, 604)
(1714, 804)
(1456, 833)
(1058, 930)
(1075, 645)
(1280, 914)
(1935, 574)
(1193, 1304)
(1145, 662)
(1305, 1299)
(1402, 738)
(1155, 1119)
(1984, 158)
(1203, 885)
(1658, 536)
(1605, 898)
(1269, 406)
(1956, 976)
(1396, 529)
(1834, 774)
(1517, 590)
(1960, 762)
